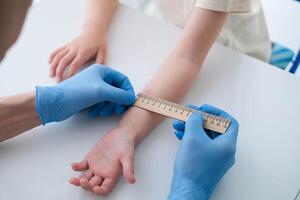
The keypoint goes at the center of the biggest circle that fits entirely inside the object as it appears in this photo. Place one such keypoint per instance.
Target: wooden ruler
(176, 111)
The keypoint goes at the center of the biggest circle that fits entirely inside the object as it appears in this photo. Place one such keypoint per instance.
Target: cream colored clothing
(245, 29)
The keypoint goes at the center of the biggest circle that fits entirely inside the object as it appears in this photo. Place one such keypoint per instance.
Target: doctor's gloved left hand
(100, 88)
(203, 157)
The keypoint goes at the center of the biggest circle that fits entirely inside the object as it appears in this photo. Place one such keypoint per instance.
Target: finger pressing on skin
(64, 62)
(84, 180)
(53, 54)
(95, 181)
(76, 64)
(127, 163)
(56, 60)
(100, 57)
(106, 186)
(80, 166)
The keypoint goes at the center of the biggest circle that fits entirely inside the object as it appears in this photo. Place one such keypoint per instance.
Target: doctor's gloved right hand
(104, 90)
(203, 157)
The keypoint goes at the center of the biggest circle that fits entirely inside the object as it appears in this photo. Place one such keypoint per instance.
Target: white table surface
(265, 100)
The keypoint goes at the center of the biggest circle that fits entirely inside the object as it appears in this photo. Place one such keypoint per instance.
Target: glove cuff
(48, 103)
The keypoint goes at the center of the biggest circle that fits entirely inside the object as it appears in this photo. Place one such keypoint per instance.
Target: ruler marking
(176, 111)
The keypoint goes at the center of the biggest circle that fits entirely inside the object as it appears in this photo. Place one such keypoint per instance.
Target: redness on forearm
(17, 114)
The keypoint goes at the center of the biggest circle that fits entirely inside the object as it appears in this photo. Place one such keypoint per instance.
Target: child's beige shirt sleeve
(225, 5)
(245, 28)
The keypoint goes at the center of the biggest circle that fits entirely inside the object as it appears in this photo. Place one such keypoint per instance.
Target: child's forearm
(98, 14)
(170, 82)
(178, 72)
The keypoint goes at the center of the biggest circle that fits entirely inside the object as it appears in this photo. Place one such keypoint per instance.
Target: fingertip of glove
(179, 134)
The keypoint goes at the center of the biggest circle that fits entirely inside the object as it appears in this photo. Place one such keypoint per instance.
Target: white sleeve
(225, 5)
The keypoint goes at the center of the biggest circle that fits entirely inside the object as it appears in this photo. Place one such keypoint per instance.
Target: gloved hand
(107, 90)
(202, 159)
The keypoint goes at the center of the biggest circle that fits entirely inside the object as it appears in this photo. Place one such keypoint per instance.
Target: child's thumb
(127, 163)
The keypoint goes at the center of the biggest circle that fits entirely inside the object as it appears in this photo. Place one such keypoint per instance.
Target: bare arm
(17, 114)
(178, 72)
(98, 14)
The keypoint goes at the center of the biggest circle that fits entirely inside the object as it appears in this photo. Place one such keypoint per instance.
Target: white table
(265, 100)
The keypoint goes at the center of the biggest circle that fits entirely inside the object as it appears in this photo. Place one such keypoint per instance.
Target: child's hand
(89, 45)
(104, 163)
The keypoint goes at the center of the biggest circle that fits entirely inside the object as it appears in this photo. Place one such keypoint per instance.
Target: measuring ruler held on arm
(182, 113)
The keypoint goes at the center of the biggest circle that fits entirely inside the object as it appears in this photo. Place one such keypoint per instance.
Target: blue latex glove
(106, 90)
(202, 158)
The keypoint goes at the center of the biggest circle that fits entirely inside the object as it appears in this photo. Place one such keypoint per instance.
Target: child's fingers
(87, 175)
(127, 163)
(74, 181)
(85, 184)
(106, 186)
(94, 181)
(56, 60)
(84, 180)
(81, 166)
(75, 65)
(53, 54)
(64, 62)
(100, 57)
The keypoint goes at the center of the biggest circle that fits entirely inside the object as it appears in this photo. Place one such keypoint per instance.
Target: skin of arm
(17, 114)
(98, 14)
(91, 43)
(169, 82)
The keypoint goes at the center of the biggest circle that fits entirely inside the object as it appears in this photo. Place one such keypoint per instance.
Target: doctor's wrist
(188, 190)
(48, 104)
